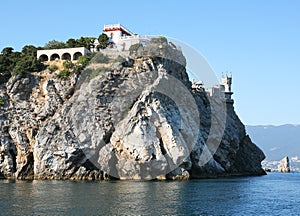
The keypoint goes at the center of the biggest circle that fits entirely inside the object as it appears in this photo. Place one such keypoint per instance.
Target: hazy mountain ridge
(276, 141)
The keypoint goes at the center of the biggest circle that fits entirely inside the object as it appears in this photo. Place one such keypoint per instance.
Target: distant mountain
(276, 141)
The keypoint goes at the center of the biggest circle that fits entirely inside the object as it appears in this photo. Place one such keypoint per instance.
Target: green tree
(27, 65)
(12, 63)
(103, 41)
(37, 65)
(29, 51)
(7, 51)
(18, 69)
(53, 44)
(86, 42)
(5, 64)
(28, 61)
(15, 56)
(71, 43)
(8, 60)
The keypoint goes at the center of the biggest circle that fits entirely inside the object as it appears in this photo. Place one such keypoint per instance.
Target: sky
(258, 41)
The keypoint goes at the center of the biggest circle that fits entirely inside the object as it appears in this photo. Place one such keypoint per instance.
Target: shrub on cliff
(63, 74)
(96, 72)
(68, 64)
(52, 68)
(100, 58)
(159, 40)
(135, 47)
(1, 101)
(83, 60)
(119, 59)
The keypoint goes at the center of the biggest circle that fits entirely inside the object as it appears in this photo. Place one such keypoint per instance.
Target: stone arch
(44, 58)
(76, 55)
(54, 56)
(66, 56)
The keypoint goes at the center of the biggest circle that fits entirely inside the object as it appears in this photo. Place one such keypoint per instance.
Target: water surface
(274, 194)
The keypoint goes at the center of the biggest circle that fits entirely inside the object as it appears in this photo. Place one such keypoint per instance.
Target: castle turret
(226, 82)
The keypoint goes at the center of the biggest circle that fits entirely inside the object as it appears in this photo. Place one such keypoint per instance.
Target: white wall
(60, 52)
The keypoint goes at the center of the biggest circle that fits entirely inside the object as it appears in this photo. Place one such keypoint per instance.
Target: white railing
(116, 26)
(130, 37)
(112, 26)
(134, 37)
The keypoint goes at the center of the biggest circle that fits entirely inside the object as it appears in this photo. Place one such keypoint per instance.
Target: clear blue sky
(259, 41)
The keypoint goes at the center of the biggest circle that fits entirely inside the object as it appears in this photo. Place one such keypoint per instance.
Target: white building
(71, 54)
(121, 38)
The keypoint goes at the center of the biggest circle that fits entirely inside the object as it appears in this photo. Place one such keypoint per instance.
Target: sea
(273, 194)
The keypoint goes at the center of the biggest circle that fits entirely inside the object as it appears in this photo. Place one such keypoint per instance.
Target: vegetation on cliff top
(86, 42)
(14, 62)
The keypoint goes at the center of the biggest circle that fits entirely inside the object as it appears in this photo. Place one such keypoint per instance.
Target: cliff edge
(137, 119)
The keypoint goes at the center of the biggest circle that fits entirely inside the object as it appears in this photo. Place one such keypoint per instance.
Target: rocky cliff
(284, 165)
(139, 119)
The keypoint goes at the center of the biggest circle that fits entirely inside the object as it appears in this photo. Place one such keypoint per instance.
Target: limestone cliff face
(129, 122)
(284, 165)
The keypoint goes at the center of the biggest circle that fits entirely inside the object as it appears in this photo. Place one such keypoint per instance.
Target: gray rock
(126, 123)
(284, 165)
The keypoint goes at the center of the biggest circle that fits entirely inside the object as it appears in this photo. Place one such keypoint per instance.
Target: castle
(224, 87)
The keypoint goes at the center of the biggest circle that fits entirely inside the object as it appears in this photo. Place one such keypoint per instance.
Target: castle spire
(226, 82)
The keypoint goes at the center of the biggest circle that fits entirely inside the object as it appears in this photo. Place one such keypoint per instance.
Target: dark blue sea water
(274, 194)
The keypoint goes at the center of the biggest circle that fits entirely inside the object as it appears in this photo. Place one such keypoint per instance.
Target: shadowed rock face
(142, 121)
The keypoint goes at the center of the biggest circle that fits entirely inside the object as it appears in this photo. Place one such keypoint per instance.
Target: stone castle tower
(226, 82)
